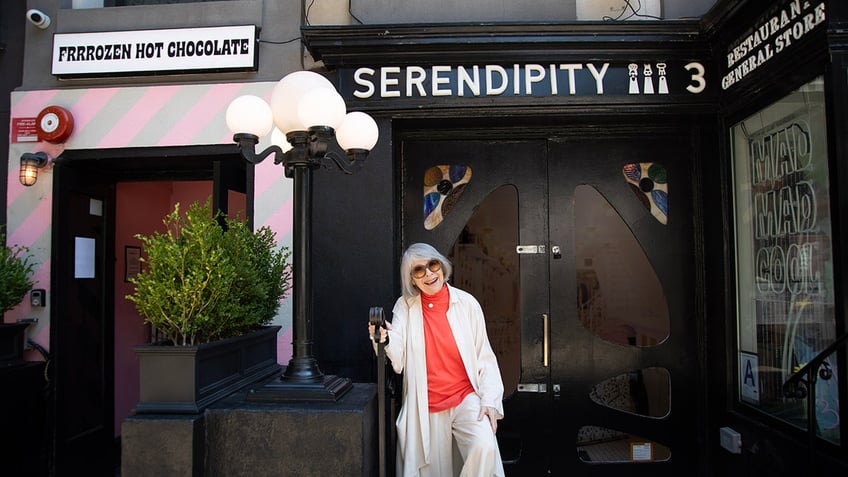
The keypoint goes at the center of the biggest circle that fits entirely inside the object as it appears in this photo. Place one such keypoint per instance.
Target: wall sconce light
(306, 108)
(31, 162)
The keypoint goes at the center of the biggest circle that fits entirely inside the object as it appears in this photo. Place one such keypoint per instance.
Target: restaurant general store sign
(231, 48)
(771, 35)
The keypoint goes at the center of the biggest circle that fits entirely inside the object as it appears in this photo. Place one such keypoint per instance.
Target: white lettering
(386, 81)
(599, 76)
(358, 78)
(491, 89)
(784, 211)
(697, 78)
(795, 8)
(473, 82)
(780, 152)
(516, 74)
(440, 77)
(483, 80)
(570, 67)
(554, 85)
(771, 37)
(415, 76)
(532, 74)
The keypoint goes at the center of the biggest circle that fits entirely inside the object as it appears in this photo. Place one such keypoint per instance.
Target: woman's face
(428, 275)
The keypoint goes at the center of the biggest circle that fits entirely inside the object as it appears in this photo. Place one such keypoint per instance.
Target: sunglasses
(420, 271)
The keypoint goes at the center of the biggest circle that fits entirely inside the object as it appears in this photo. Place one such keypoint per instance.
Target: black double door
(581, 252)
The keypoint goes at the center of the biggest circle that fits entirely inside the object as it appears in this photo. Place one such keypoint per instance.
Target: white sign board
(749, 378)
(84, 257)
(155, 51)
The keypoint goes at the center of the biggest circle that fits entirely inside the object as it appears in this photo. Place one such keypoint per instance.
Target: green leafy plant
(207, 278)
(16, 268)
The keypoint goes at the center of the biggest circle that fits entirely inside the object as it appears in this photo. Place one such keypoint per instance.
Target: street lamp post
(306, 108)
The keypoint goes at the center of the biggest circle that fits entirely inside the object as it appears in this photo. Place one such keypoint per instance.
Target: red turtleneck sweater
(447, 381)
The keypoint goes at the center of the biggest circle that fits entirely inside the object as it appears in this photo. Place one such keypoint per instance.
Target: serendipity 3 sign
(648, 79)
(231, 48)
(772, 35)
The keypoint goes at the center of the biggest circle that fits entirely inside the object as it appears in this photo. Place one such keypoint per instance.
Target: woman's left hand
(492, 414)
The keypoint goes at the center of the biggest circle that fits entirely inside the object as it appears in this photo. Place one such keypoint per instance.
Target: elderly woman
(452, 389)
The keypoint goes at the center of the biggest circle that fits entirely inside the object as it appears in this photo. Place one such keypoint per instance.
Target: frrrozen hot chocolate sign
(229, 48)
(772, 35)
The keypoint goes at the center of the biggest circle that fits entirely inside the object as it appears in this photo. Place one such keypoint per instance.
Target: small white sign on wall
(84, 257)
(749, 378)
(641, 451)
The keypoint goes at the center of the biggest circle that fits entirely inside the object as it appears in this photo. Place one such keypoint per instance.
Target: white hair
(414, 253)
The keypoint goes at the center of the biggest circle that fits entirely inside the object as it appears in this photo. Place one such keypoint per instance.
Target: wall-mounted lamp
(307, 109)
(31, 162)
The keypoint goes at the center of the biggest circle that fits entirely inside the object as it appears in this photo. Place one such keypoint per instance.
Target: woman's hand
(383, 332)
(492, 414)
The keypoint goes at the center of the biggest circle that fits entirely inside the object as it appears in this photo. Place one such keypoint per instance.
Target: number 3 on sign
(699, 83)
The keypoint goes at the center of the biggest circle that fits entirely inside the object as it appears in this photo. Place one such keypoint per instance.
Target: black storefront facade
(649, 212)
(506, 144)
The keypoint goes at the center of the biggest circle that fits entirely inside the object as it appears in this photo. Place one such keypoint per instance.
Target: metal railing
(802, 384)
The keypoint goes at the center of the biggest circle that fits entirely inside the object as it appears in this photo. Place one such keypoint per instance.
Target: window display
(784, 260)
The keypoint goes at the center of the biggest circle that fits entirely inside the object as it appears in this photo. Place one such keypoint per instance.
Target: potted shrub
(16, 268)
(210, 286)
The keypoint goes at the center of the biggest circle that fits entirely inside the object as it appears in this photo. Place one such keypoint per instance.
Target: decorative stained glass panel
(648, 180)
(443, 187)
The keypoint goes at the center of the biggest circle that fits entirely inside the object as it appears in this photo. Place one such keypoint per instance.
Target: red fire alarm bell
(54, 124)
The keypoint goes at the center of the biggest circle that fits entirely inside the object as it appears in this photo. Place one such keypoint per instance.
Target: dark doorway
(89, 345)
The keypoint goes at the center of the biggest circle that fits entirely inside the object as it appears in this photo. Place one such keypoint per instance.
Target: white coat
(406, 352)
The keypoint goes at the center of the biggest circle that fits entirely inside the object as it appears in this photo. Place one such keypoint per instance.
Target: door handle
(546, 339)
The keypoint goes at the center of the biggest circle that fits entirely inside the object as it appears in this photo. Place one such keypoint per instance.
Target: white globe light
(358, 131)
(287, 94)
(249, 114)
(278, 138)
(321, 107)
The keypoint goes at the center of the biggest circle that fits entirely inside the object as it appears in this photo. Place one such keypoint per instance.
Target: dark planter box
(187, 379)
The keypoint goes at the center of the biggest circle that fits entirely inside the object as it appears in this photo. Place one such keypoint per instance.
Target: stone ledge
(235, 437)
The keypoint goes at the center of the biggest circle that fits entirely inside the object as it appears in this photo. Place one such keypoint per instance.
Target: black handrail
(377, 318)
(802, 383)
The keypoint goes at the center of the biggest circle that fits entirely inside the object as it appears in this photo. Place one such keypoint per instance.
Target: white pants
(475, 442)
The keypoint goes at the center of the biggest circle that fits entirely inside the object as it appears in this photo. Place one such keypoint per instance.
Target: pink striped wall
(123, 117)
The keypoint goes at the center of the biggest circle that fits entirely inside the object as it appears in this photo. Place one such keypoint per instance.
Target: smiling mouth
(432, 282)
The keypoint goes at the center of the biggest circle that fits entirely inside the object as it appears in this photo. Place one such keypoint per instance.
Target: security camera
(38, 18)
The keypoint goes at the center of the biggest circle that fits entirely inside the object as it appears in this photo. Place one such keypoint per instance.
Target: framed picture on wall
(132, 262)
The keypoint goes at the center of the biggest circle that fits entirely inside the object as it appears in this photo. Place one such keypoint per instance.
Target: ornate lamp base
(282, 390)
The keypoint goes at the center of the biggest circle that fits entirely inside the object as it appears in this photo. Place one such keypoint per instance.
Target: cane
(378, 319)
